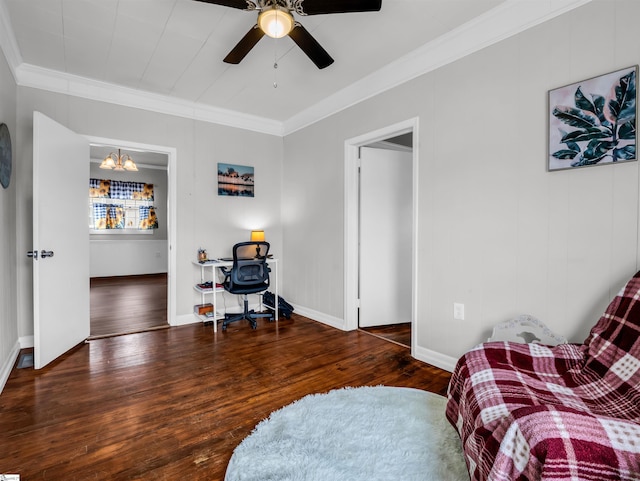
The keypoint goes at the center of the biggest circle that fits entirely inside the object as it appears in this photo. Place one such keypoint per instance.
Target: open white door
(386, 211)
(60, 239)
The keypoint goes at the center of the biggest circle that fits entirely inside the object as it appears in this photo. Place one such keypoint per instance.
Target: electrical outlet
(458, 311)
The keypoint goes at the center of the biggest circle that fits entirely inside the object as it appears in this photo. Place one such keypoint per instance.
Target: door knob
(45, 253)
(32, 254)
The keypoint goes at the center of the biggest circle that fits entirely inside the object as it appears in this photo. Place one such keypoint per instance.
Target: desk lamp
(257, 236)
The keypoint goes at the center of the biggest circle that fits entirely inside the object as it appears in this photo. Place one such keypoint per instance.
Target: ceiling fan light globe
(275, 22)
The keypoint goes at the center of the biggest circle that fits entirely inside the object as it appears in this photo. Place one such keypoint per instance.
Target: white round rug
(353, 434)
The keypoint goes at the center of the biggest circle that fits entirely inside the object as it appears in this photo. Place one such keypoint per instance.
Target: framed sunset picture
(235, 180)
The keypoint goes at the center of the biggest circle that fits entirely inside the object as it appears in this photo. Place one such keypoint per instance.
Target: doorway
(381, 233)
(385, 239)
(61, 256)
(129, 266)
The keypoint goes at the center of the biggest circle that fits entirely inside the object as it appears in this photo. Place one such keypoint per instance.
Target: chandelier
(119, 162)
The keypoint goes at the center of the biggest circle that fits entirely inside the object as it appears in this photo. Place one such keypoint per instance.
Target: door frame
(351, 221)
(172, 184)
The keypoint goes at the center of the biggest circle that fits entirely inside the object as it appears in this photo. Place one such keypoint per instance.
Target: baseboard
(185, 319)
(320, 317)
(434, 358)
(7, 365)
(26, 342)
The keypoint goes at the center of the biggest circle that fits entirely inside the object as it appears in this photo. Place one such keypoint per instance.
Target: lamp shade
(257, 236)
(108, 163)
(275, 22)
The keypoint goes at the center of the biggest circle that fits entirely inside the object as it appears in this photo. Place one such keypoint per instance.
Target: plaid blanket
(570, 412)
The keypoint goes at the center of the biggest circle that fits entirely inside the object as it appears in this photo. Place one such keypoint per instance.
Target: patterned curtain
(148, 219)
(119, 189)
(100, 216)
(115, 217)
(99, 188)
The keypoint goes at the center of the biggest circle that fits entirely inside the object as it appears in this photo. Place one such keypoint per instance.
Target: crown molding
(499, 23)
(505, 20)
(55, 81)
(8, 41)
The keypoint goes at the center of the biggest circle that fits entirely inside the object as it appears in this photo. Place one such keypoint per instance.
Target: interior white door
(385, 237)
(60, 239)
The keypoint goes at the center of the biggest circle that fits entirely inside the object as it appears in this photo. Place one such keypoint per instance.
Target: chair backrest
(250, 272)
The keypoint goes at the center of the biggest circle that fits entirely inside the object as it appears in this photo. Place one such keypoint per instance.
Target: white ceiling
(170, 52)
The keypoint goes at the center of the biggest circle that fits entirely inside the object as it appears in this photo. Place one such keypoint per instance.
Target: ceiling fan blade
(310, 46)
(245, 45)
(319, 7)
(241, 4)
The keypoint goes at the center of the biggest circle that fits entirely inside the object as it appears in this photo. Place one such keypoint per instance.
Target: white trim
(317, 316)
(185, 319)
(7, 365)
(434, 358)
(351, 220)
(52, 80)
(320, 317)
(172, 198)
(26, 342)
(507, 19)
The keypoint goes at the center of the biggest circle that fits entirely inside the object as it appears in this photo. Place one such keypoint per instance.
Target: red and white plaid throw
(570, 412)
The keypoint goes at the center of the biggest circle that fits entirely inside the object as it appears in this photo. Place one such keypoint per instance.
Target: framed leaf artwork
(593, 122)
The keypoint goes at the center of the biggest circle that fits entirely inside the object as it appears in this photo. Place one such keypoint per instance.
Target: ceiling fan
(276, 20)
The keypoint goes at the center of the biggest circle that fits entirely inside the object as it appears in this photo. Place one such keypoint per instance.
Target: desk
(214, 266)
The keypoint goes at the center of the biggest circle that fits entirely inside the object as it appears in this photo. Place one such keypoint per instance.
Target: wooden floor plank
(174, 403)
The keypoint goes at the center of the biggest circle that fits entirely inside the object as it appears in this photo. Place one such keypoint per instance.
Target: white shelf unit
(208, 295)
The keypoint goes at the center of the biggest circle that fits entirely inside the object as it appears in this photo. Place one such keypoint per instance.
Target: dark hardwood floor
(174, 403)
(126, 304)
(398, 333)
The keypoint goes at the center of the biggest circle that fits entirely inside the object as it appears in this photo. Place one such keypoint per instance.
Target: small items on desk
(209, 261)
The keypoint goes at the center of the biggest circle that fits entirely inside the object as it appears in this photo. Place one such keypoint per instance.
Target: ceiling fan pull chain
(275, 64)
(275, 76)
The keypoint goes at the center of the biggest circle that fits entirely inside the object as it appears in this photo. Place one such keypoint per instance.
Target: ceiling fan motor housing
(276, 20)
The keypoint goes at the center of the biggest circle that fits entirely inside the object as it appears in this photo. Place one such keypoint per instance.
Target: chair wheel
(224, 328)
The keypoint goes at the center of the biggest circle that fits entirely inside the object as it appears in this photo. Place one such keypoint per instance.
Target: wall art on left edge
(235, 180)
(5, 156)
(593, 122)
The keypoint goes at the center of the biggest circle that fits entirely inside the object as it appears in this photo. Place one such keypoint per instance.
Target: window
(121, 207)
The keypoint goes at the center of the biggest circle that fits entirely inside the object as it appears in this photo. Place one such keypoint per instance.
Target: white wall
(496, 231)
(8, 327)
(111, 257)
(204, 219)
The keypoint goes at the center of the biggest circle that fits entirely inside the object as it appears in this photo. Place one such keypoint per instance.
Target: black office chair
(248, 275)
